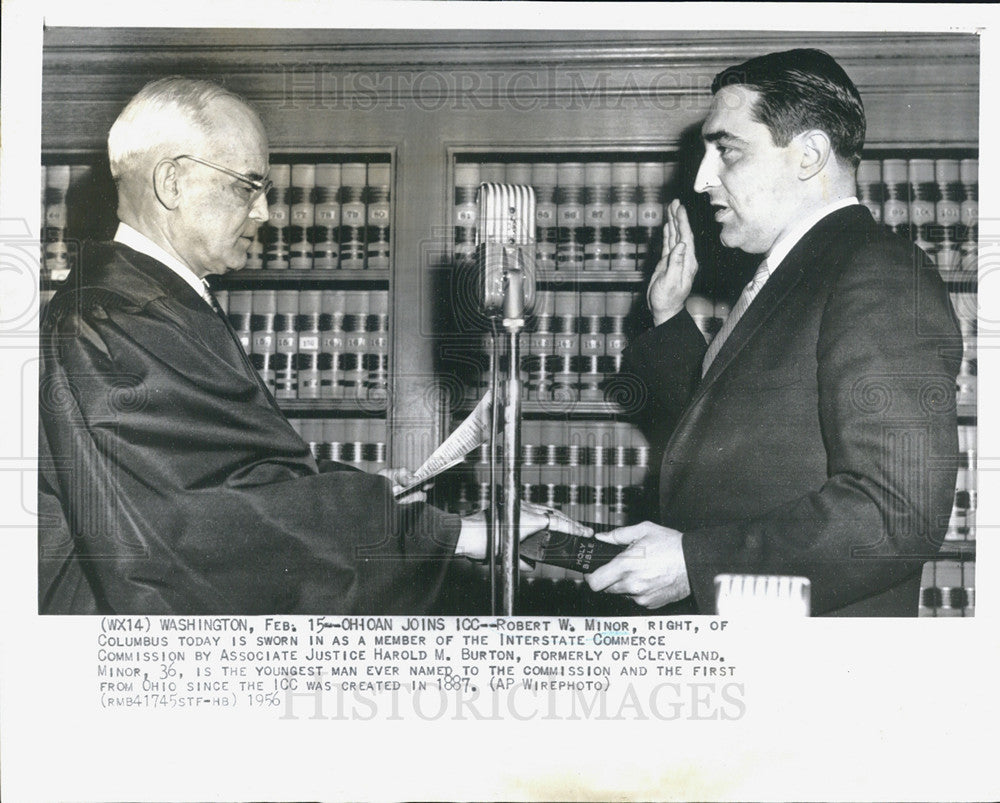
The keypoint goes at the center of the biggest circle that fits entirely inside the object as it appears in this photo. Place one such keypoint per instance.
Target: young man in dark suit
(170, 482)
(816, 436)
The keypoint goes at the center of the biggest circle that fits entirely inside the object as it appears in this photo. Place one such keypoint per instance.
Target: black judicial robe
(170, 482)
(822, 441)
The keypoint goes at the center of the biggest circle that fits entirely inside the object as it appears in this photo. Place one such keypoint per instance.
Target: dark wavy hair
(799, 90)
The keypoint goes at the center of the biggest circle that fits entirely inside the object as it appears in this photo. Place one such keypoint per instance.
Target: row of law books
(361, 442)
(591, 449)
(315, 344)
(589, 216)
(594, 471)
(601, 216)
(571, 347)
(326, 217)
(58, 251)
(321, 216)
(948, 588)
(934, 202)
(962, 522)
(965, 305)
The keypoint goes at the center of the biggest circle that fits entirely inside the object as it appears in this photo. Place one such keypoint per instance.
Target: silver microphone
(505, 250)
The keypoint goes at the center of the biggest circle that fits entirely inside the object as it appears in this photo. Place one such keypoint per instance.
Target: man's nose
(707, 176)
(259, 210)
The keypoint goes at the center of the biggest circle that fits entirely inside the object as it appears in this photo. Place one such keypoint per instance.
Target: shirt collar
(138, 241)
(781, 248)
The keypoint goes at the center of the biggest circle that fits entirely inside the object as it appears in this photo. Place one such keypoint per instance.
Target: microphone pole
(506, 258)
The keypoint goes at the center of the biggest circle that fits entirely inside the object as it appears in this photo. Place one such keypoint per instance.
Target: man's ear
(165, 183)
(816, 147)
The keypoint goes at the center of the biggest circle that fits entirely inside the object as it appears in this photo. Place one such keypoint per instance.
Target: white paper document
(472, 432)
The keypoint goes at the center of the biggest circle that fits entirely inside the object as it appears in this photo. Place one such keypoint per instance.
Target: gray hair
(165, 118)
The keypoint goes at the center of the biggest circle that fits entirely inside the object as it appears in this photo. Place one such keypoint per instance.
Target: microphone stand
(513, 323)
(506, 228)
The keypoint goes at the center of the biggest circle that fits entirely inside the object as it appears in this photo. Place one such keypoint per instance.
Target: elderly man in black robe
(169, 481)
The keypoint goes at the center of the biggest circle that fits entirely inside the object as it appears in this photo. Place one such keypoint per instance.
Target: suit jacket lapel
(767, 302)
(810, 254)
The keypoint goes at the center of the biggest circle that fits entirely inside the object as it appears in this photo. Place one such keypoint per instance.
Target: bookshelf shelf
(555, 278)
(362, 408)
(963, 278)
(301, 278)
(967, 412)
(957, 550)
(565, 410)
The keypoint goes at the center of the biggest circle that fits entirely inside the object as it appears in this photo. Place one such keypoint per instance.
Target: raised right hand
(674, 274)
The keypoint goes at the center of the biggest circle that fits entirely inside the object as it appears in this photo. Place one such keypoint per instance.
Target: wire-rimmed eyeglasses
(258, 186)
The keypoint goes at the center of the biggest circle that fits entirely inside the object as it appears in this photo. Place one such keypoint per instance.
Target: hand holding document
(472, 432)
(402, 478)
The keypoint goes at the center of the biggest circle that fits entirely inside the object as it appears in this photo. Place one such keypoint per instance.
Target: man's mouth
(721, 212)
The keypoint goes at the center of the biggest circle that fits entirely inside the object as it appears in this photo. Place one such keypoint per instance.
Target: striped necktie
(748, 295)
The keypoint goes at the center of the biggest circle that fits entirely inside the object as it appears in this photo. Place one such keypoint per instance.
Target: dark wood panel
(311, 84)
(401, 48)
